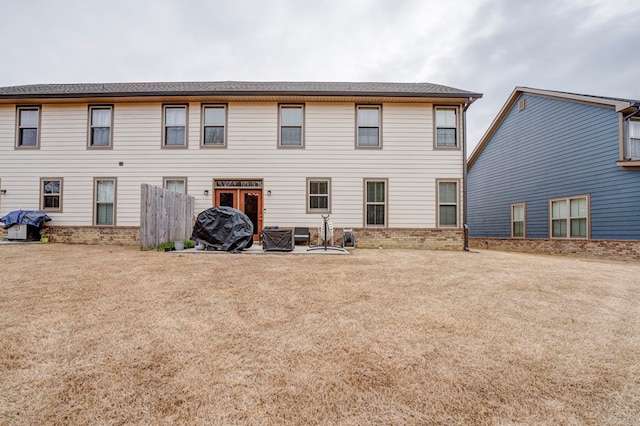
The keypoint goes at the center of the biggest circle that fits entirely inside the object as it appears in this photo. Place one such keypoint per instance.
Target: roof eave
(474, 96)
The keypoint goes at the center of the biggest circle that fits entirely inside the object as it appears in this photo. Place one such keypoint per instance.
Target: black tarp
(277, 240)
(223, 228)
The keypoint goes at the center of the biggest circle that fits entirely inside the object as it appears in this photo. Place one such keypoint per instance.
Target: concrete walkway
(257, 249)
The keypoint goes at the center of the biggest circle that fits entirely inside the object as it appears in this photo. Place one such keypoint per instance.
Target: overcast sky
(486, 46)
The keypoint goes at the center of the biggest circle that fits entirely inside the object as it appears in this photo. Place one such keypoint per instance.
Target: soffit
(250, 99)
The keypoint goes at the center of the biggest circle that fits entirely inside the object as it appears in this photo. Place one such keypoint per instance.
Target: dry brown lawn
(113, 335)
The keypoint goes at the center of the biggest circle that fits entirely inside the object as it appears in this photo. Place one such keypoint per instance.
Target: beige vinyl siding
(407, 160)
(7, 128)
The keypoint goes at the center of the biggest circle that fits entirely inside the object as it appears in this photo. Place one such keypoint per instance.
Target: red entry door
(248, 201)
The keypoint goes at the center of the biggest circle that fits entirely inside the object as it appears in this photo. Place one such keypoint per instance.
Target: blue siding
(553, 148)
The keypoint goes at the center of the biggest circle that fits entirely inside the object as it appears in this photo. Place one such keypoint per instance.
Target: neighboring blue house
(558, 172)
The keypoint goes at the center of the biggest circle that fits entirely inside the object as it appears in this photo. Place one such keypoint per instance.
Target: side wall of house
(552, 149)
(407, 161)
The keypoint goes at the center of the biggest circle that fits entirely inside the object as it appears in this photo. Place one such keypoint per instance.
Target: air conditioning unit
(17, 232)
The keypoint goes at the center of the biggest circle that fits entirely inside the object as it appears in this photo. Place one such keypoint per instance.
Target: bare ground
(113, 335)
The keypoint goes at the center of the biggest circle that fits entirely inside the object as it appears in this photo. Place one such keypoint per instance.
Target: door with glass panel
(244, 198)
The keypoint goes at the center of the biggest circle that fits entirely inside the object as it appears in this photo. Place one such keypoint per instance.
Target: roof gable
(620, 105)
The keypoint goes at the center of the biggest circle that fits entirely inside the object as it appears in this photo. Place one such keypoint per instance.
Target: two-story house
(385, 159)
(558, 172)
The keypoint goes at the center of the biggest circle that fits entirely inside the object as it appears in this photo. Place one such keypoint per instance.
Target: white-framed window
(634, 139)
(175, 126)
(28, 129)
(100, 124)
(518, 220)
(177, 184)
(291, 132)
(446, 133)
(214, 126)
(318, 195)
(105, 190)
(51, 194)
(368, 126)
(447, 199)
(375, 202)
(569, 217)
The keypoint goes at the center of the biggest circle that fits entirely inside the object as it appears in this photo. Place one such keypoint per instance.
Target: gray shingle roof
(605, 98)
(233, 88)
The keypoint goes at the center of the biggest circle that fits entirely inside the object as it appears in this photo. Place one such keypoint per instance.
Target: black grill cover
(223, 228)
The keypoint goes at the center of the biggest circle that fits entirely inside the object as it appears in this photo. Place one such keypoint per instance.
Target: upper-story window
(291, 126)
(634, 139)
(570, 217)
(214, 124)
(175, 126)
(100, 126)
(368, 124)
(446, 127)
(28, 134)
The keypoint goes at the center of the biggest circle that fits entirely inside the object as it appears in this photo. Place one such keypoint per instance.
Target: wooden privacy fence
(164, 216)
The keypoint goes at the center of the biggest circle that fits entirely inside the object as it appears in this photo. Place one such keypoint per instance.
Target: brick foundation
(407, 238)
(604, 249)
(123, 235)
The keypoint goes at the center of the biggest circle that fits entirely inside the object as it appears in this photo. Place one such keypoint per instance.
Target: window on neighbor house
(105, 201)
(634, 139)
(100, 126)
(518, 220)
(28, 135)
(214, 126)
(319, 195)
(51, 194)
(570, 217)
(291, 126)
(175, 126)
(368, 124)
(447, 203)
(177, 184)
(446, 127)
(375, 192)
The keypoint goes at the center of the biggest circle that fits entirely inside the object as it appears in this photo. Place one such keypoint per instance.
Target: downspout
(464, 172)
(625, 128)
